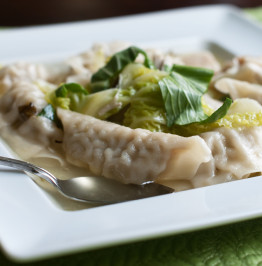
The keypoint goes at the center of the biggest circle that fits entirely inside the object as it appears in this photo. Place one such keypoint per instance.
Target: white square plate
(33, 227)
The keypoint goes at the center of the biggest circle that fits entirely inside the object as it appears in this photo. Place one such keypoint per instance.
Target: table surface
(234, 244)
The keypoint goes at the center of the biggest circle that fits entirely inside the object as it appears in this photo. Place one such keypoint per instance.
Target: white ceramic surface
(33, 227)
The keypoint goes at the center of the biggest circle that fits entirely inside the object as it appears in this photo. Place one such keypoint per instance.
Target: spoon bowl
(97, 190)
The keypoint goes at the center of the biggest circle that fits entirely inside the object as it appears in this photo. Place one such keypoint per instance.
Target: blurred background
(37, 12)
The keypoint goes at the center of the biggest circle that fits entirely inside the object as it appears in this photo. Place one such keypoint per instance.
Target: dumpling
(20, 72)
(20, 105)
(236, 154)
(239, 89)
(203, 59)
(241, 78)
(131, 156)
(244, 68)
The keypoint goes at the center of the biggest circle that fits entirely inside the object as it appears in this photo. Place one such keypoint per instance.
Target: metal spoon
(91, 189)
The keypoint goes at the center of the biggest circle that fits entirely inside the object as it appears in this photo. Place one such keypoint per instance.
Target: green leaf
(182, 92)
(107, 76)
(200, 77)
(105, 103)
(49, 112)
(219, 113)
(68, 96)
(146, 109)
(182, 101)
(66, 88)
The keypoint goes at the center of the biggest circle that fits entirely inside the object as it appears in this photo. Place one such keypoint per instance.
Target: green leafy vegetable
(105, 103)
(141, 96)
(101, 104)
(219, 113)
(182, 92)
(49, 112)
(67, 88)
(199, 76)
(107, 76)
(137, 76)
(146, 109)
(68, 96)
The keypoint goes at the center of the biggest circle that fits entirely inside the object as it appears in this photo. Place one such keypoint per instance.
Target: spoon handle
(31, 168)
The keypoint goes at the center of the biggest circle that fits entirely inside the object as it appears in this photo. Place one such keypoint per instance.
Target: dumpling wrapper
(236, 154)
(24, 95)
(239, 89)
(9, 75)
(130, 155)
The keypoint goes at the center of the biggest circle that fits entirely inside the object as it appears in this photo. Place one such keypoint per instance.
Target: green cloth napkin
(235, 244)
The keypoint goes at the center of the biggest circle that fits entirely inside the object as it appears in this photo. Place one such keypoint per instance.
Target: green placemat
(255, 13)
(235, 244)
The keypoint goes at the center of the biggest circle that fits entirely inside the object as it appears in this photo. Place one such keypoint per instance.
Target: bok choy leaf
(107, 76)
(182, 91)
(68, 96)
(199, 76)
(49, 112)
(67, 88)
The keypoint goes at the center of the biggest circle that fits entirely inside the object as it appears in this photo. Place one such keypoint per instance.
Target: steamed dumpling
(244, 68)
(20, 105)
(131, 156)
(241, 79)
(236, 154)
(20, 72)
(239, 89)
